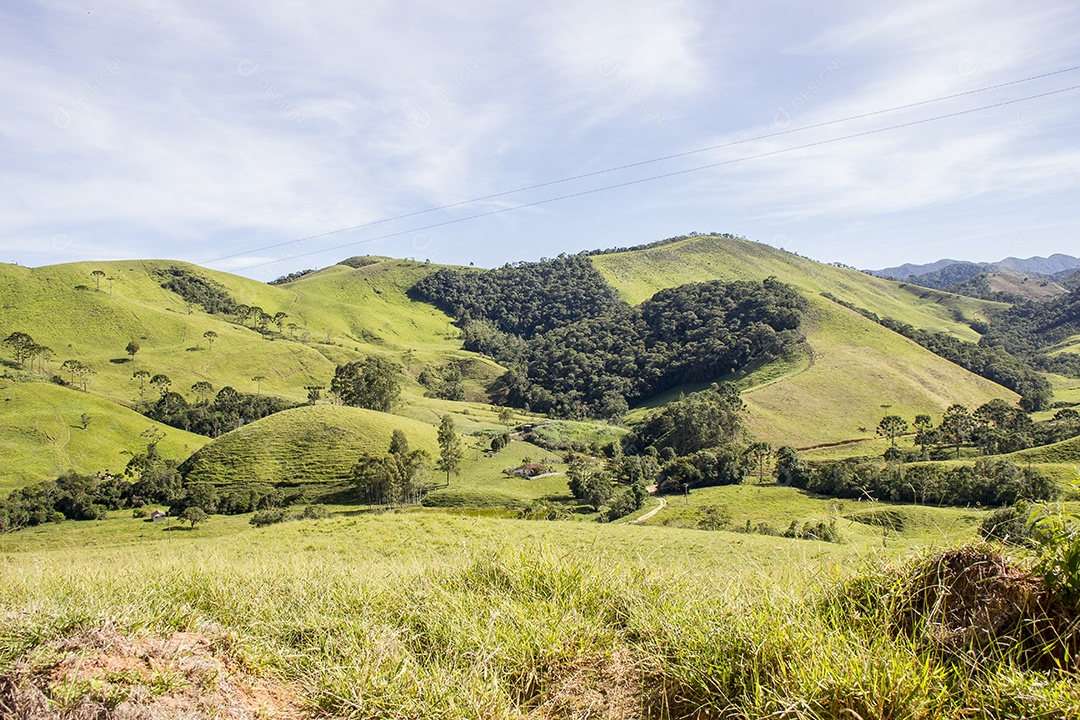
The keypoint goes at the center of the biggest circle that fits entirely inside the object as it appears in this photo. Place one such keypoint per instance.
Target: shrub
(1008, 525)
(315, 512)
(267, 517)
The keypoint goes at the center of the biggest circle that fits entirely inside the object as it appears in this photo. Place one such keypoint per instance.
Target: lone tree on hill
(210, 336)
(97, 275)
(506, 416)
(373, 383)
(131, 349)
(891, 426)
(450, 450)
(258, 383)
(194, 515)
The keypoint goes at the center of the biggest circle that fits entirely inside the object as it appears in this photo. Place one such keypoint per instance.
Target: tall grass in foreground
(508, 633)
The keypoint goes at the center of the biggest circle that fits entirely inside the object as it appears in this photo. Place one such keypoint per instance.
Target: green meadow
(419, 615)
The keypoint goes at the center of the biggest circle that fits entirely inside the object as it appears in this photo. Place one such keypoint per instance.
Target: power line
(652, 178)
(641, 163)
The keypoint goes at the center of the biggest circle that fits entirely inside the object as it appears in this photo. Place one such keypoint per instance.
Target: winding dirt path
(646, 516)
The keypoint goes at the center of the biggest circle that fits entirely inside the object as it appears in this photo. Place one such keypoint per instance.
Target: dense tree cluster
(227, 411)
(198, 290)
(722, 465)
(615, 487)
(703, 420)
(394, 478)
(993, 363)
(443, 382)
(373, 383)
(574, 350)
(990, 482)
(148, 478)
(71, 496)
(525, 299)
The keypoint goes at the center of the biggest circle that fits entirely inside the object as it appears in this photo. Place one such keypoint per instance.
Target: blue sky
(201, 130)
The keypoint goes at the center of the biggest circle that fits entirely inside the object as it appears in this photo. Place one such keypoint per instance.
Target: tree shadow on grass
(120, 361)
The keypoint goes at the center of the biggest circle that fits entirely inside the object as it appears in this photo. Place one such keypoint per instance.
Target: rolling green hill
(42, 434)
(306, 445)
(857, 371)
(853, 372)
(339, 313)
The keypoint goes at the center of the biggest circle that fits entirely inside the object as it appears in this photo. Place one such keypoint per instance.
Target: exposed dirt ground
(101, 674)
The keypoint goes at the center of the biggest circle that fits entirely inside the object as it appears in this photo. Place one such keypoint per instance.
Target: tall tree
(210, 336)
(399, 444)
(450, 450)
(162, 382)
(956, 425)
(506, 416)
(141, 376)
(20, 344)
(924, 432)
(203, 389)
(759, 453)
(891, 426)
(72, 367)
(97, 275)
(131, 349)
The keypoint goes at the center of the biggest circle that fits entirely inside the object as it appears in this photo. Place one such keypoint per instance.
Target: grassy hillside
(638, 274)
(42, 434)
(339, 314)
(857, 372)
(306, 445)
(1071, 345)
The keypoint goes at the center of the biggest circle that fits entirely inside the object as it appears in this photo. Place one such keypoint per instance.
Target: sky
(267, 137)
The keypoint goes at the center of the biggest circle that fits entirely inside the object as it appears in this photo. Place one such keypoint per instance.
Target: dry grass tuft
(596, 686)
(973, 600)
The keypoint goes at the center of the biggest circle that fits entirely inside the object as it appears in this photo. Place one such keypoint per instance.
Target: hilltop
(856, 370)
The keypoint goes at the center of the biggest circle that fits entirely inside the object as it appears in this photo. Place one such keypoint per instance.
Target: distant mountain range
(1054, 267)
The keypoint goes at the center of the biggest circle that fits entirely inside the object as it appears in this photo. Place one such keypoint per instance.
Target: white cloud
(227, 127)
